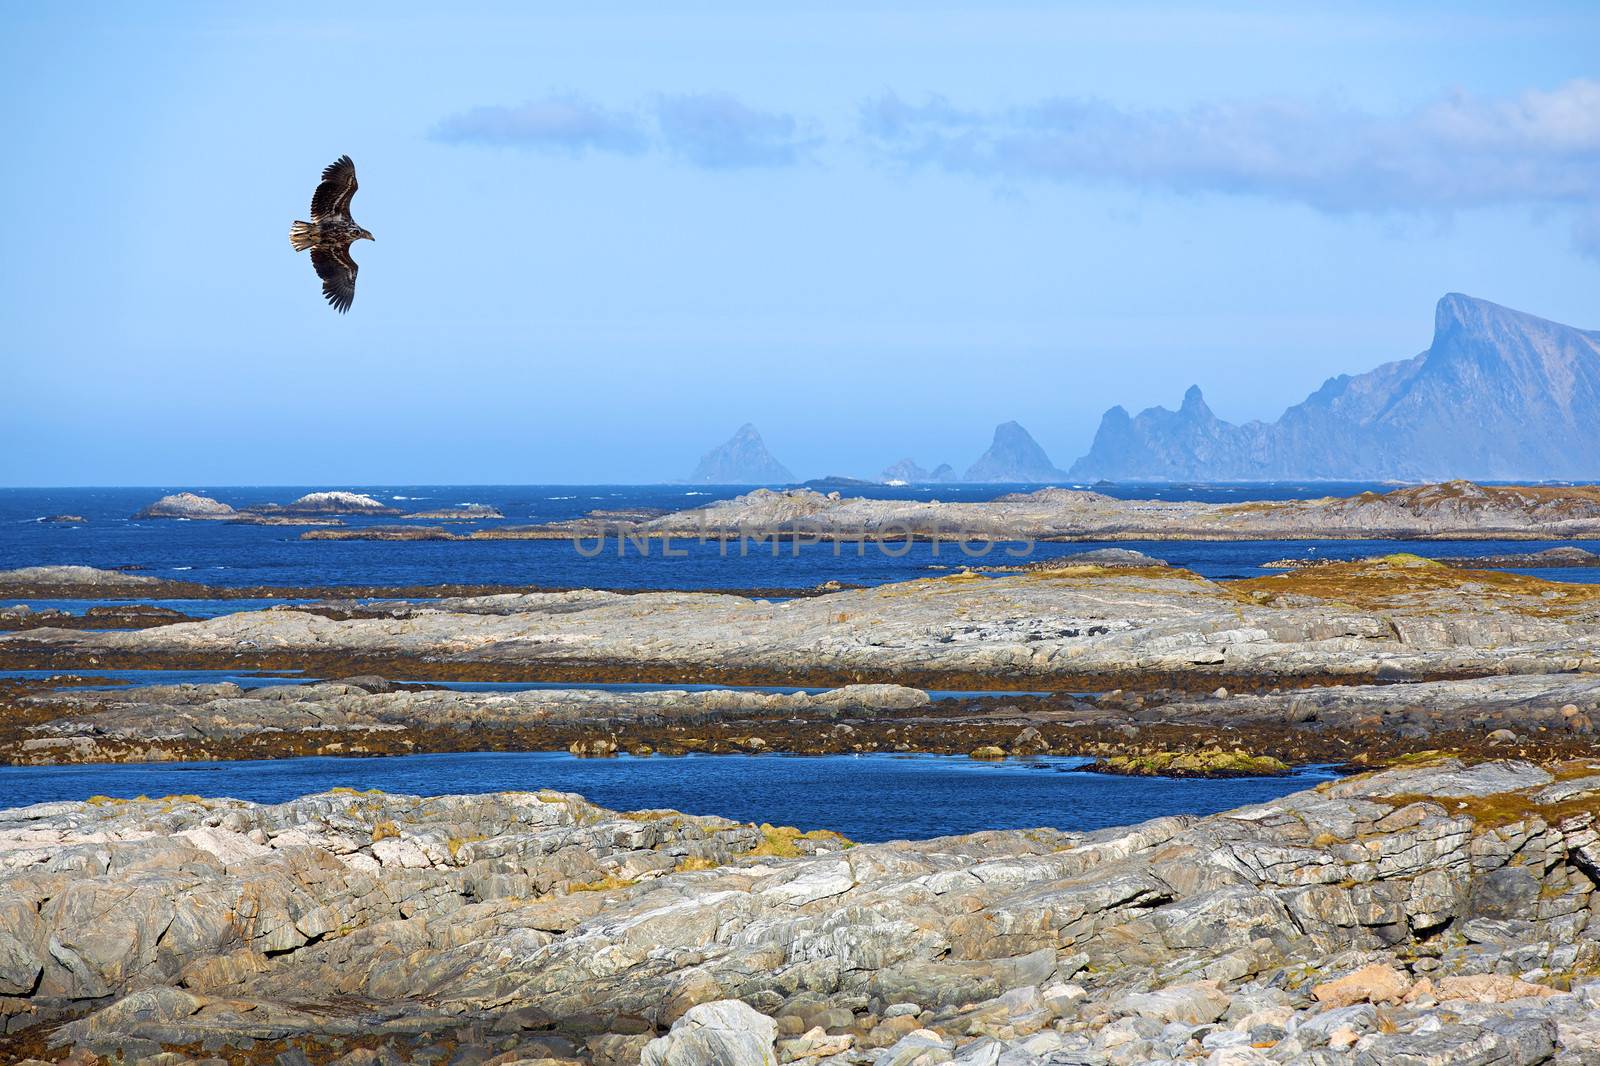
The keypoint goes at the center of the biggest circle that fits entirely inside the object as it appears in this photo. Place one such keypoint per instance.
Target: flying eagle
(330, 233)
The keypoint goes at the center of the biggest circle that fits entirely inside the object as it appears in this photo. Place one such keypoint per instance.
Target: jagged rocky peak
(906, 470)
(1194, 404)
(1013, 456)
(1498, 395)
(911, 473)
(742, 459)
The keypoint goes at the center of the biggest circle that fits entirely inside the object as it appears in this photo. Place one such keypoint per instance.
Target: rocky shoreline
(1434, 912)
(1092, 627)
(85, 582)
(111, 616)
(1148, 669)
(1456, 510)
(1548, 559)
(1166, 732)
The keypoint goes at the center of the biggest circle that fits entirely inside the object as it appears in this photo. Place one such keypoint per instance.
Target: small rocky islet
(1433, 905)
(313, 508)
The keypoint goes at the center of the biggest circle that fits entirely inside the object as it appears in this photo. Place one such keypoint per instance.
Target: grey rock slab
(723, 1033)
(1513, 1042)
(1074, 621)
(499, 913)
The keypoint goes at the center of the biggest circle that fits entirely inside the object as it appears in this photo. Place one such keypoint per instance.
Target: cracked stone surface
(1396, 619)
(536, 926)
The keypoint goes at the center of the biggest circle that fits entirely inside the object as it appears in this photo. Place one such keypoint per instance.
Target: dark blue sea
(223, 554)
(865, 797)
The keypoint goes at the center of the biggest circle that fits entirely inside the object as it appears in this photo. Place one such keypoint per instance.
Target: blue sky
(609, 234)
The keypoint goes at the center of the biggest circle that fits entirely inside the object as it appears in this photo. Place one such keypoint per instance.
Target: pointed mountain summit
(1014, 456)
(742, 459)
(1498, 395)
(912, 473)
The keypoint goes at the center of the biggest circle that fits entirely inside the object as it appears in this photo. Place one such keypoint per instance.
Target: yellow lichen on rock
(783, 841)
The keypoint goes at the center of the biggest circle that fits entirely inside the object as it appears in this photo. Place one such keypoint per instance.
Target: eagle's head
(366, 234)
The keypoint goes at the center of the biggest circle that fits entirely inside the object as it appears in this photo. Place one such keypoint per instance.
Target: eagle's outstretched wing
(332, 197)
(338, 273)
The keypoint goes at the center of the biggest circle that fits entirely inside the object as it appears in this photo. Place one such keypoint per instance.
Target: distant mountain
(741, 460)
(1014, 456)
(1499, 395)
(909, 471)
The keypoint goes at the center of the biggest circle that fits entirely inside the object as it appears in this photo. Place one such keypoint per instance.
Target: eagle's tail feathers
(300, 236)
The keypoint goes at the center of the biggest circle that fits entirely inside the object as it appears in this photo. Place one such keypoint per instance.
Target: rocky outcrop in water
(389, 533)
(1391, 619)
(466, 512)
(327, 503)
(119, 616)
(1453, 510)
(84, 578)
(1104, 557)
(742, 459)
(370, 716)
(1551, 716)
(1013, 456)
(1550, 558)
(188, 505)
(1434, 913)
(1499, 395)
(87, 582)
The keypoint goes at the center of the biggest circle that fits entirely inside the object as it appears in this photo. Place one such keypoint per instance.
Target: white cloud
(1538, 148)
(569, 124)
(711, 130)
(715, 130)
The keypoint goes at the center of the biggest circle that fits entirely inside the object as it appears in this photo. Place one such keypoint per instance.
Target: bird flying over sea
(330, 233)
